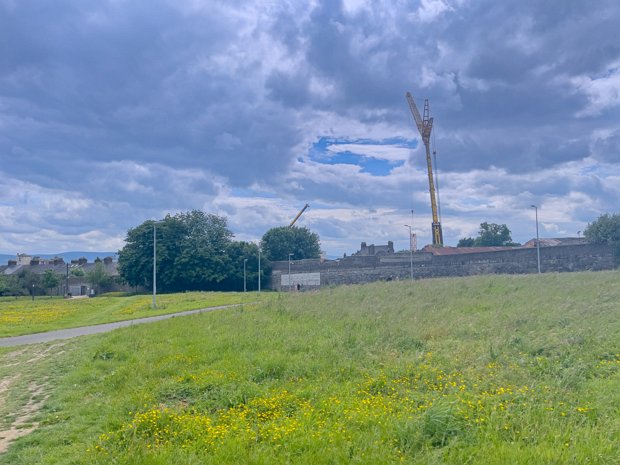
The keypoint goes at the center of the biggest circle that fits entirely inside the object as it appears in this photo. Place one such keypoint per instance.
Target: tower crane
(425, 126)
(298, 215)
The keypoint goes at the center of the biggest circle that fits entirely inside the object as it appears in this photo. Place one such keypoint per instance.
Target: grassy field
(489, 369)
(25, 316)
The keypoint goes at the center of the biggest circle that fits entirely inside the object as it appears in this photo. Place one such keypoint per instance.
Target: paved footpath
(102, 328)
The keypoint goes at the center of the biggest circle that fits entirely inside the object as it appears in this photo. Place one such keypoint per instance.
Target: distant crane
(298, 215)
(425, 126)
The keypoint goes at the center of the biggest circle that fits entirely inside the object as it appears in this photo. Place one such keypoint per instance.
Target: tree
(26, 282)
(605, 230)
(50, 280)
(99, 278)
(237, 252)
(467, 242)
(191, 252)
(5, 285)
(202, 261)
(278, 243)
(10, 285)
(77, 272)
(490, 234)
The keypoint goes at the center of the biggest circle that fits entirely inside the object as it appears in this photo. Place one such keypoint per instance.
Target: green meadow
(25, 316)
(479, 370)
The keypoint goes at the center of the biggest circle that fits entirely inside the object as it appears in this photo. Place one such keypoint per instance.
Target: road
(102, 328)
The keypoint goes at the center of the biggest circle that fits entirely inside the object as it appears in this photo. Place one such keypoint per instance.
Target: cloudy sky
(118, 111)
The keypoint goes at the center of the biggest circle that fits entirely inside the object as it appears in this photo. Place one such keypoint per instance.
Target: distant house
(23, 259)
(373, 249)
(75, 285)
(555, 241)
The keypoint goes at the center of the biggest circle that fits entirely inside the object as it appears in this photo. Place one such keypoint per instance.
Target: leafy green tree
(278, 243)
(5, 285)
(191, 252)
(202, 261)
(236, 253)
(605, 230)
(50, 280)
(10, 285)
(466, 242)
(77, 272)
(26, 282)
(99, 278)
(489, 234)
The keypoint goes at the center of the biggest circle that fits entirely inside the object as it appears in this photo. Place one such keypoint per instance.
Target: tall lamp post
(245, 260)
(410, 250)
(259, 268)
(537, 238)
(154, 305)
(289, 272)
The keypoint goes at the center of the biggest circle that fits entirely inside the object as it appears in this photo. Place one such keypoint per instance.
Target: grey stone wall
(363, 269)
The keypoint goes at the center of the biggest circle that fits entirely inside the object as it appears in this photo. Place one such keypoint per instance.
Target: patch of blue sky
(369, 165)
(320, 152)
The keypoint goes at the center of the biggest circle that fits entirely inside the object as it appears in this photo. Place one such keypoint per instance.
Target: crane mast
(425, 126)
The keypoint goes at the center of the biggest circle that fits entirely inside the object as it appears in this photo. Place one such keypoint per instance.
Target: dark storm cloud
(114, 82)
(522, 59)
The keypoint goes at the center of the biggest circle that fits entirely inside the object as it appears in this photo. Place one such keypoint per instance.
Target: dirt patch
(34, 356)
(4, 387)
(23, 425)
(18, 420)
(44, 353)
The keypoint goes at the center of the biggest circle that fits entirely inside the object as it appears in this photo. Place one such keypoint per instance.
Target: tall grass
(490, 369)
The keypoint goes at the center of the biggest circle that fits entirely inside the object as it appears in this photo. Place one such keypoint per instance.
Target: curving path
(102, 328)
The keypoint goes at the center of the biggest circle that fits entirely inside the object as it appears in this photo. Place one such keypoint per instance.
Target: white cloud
(430, 10)
(603, 92)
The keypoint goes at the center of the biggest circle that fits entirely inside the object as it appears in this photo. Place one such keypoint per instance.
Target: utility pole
(154, 264)
(410, 250)
(537, 238)
(290, 284)
(259, 268)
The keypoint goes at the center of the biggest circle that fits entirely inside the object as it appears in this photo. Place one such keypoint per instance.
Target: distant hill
(67, 256)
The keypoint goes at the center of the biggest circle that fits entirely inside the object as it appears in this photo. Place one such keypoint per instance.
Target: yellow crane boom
(425, 126)
(298, 215)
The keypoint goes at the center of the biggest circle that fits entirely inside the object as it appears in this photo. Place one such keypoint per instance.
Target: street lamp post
(410, 250)
(154, 305)
(245, 260)
(289, 272)
(259, 268)
(33, 292)
(537, 238)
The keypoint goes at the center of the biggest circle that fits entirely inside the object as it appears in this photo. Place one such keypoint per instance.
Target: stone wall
(363, 269)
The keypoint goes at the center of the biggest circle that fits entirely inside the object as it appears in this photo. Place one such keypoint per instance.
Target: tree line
(196, 251)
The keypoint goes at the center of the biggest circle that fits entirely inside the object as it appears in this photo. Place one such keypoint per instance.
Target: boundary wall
(357, 269)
